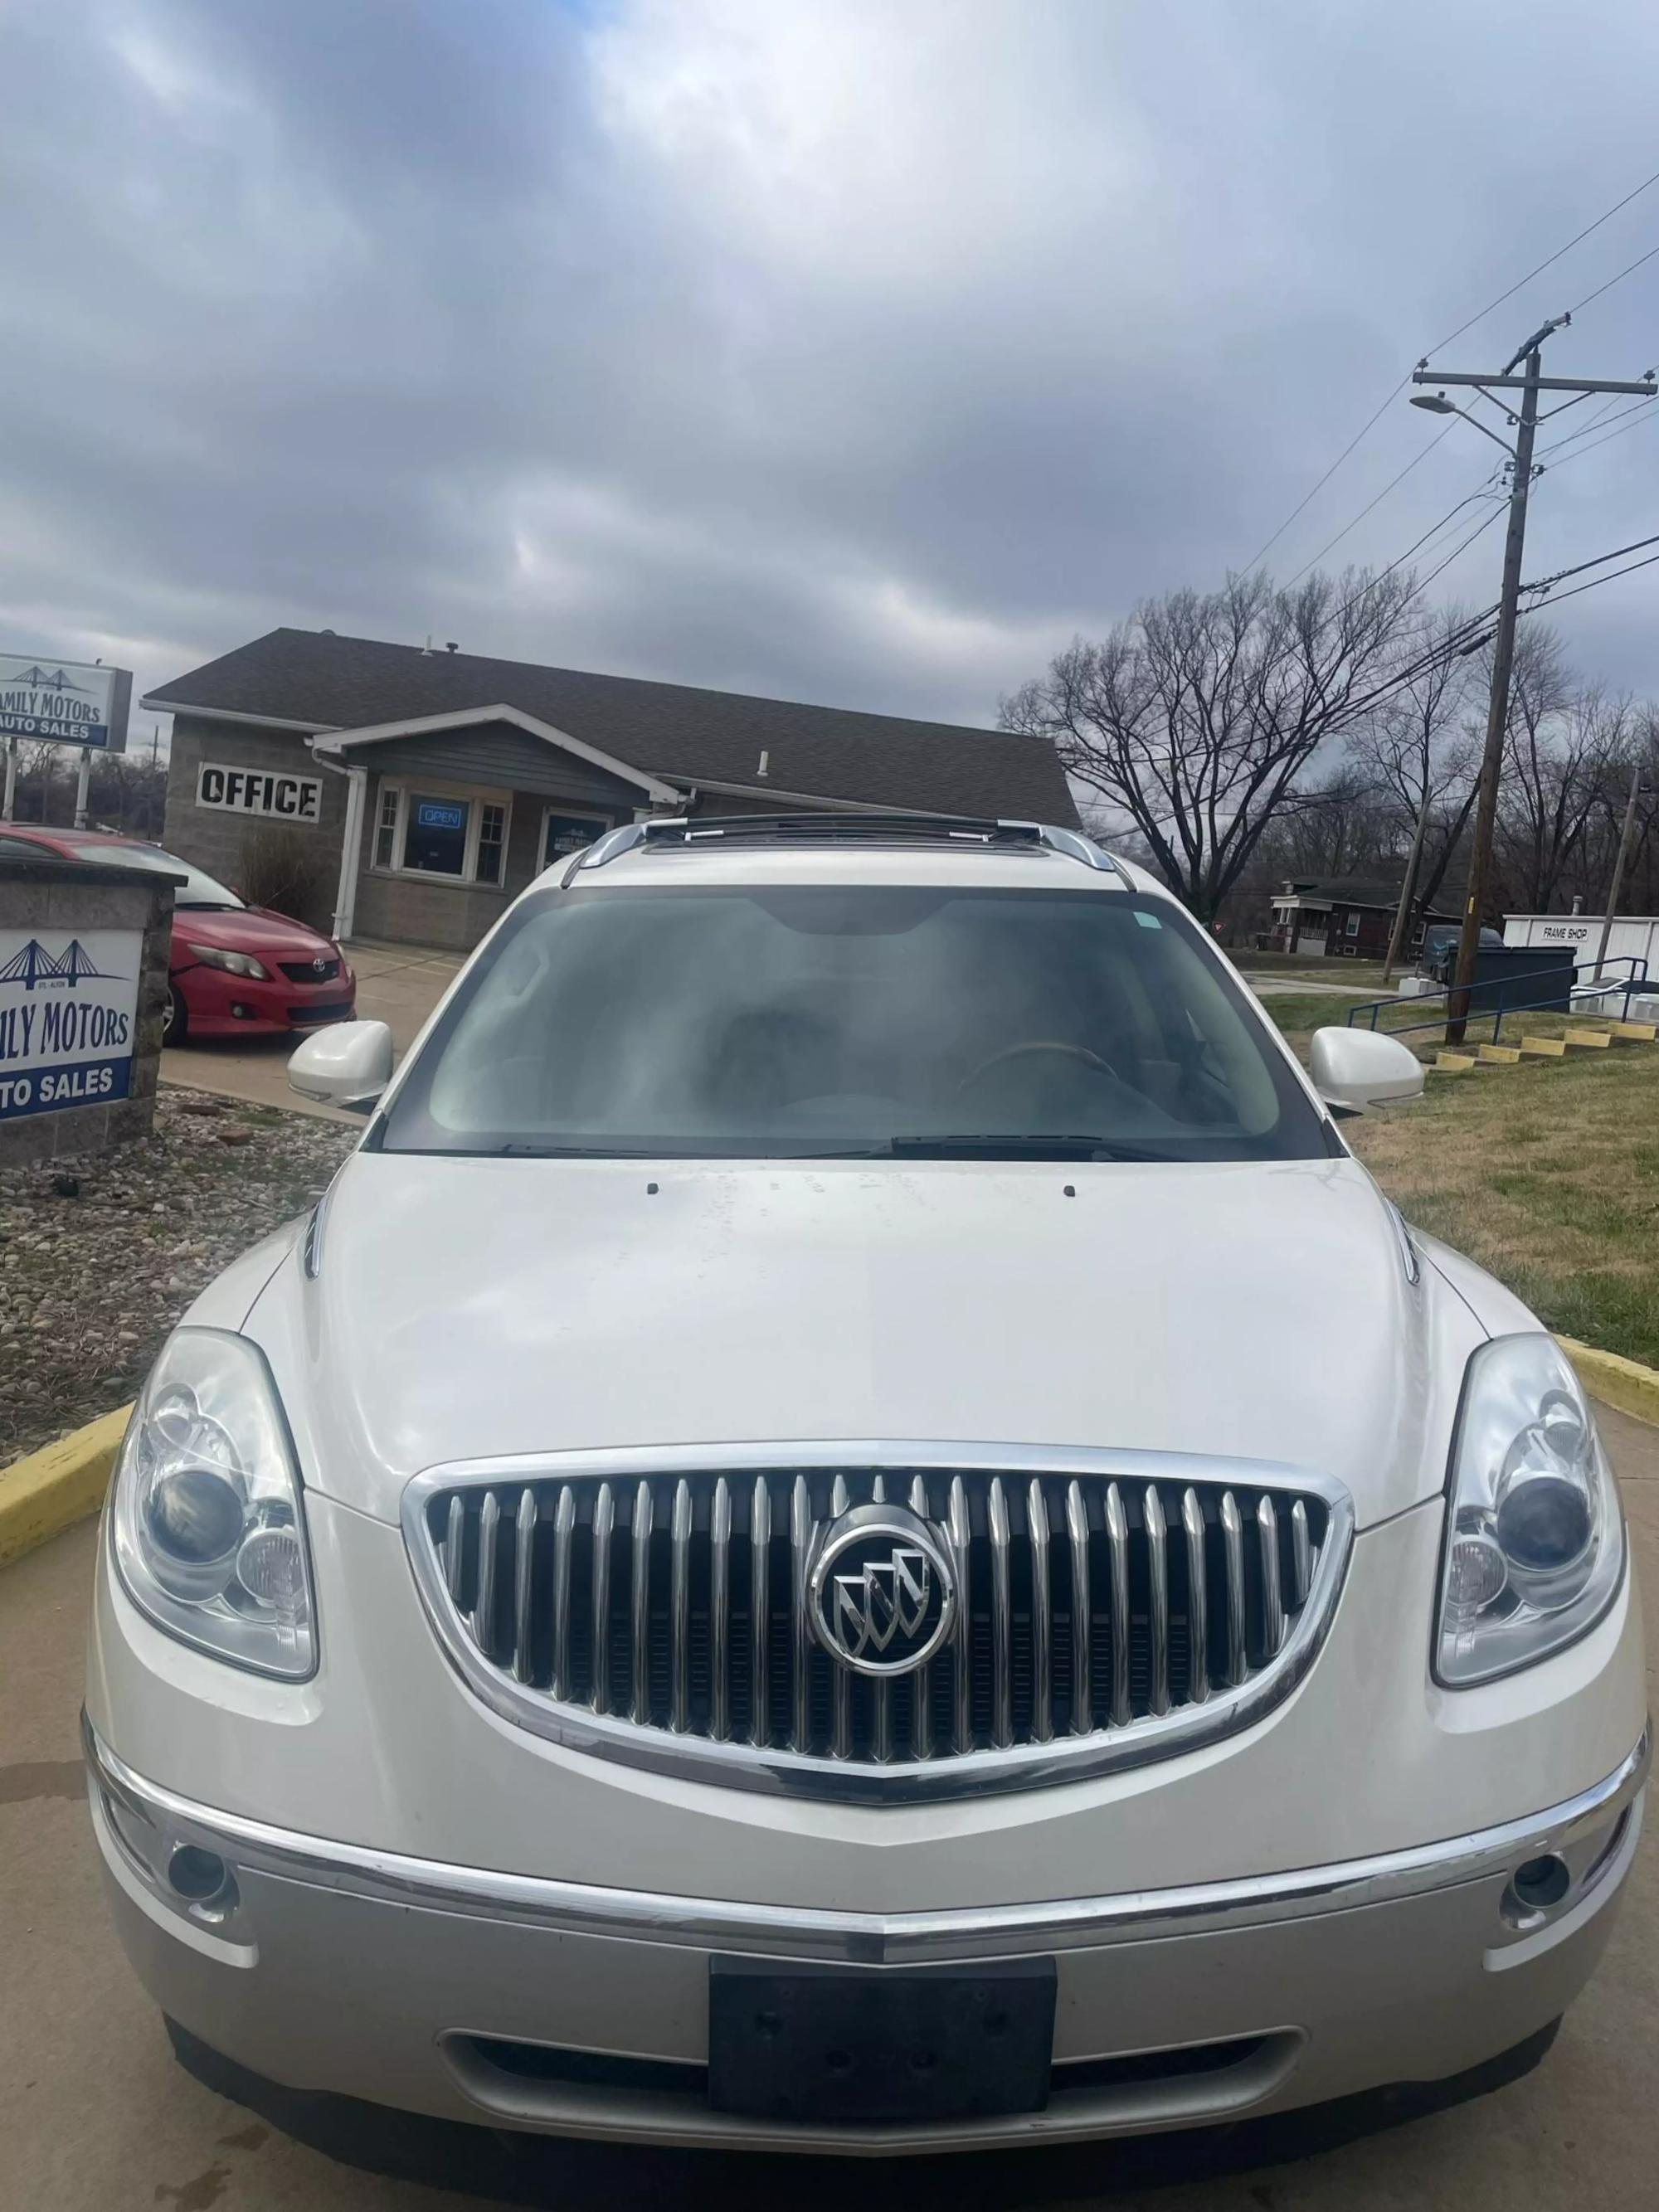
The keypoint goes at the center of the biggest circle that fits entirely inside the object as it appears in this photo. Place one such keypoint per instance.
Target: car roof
(867, 848)
(49, 833)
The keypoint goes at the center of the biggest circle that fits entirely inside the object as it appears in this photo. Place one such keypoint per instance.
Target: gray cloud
(832, 348)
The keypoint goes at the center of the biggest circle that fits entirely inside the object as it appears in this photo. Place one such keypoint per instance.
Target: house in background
(1344, 919)
(435, 786)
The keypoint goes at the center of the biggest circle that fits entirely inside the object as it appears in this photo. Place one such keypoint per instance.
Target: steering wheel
(1038, 1044)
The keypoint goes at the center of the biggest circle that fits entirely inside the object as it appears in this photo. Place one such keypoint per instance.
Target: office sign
(69, 1009)
(64, 702)
(259, 790)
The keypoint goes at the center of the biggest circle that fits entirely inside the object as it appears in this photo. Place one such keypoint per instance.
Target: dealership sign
(69, 1006)
(64, 702)
(259, 790)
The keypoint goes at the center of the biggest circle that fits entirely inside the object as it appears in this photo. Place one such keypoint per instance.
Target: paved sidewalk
(96, 2116)
(399, 984)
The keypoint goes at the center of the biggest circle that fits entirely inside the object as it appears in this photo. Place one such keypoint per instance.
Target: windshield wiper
(1016, 1145)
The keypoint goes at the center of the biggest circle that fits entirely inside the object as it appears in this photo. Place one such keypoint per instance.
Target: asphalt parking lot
(399, 984)
(96, 2116)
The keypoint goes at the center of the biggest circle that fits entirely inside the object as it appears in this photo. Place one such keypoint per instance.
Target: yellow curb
(52, 1488)
(1622, 1382)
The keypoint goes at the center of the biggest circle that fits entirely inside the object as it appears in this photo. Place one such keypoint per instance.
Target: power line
(1369, 505)
(1612, 281)
(1594, 581)
(1366, 427)
(1549, 261)
(1618, 552)
(1645, 411)
(1371, 421)
(1585, 430)
(1434, 530)
(1485, 526)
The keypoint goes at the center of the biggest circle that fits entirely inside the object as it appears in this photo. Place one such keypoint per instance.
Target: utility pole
(1407, 892)
(82, 784)
(1497, 715)
(1618, 882)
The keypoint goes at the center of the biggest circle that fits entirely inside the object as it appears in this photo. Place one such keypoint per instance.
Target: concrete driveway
(96, 2117)
(399, 984)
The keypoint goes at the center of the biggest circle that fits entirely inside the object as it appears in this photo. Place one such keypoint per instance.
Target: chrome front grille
(1103, 1615)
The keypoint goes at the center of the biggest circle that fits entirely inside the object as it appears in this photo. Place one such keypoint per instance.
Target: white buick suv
(854, 1528)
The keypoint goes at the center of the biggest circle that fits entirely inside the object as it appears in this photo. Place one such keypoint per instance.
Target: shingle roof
(1344, 891)
(671, 730)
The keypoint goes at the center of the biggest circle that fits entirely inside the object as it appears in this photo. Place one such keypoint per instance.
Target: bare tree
(1562, 747)
(1195, 718)
(1416, 748)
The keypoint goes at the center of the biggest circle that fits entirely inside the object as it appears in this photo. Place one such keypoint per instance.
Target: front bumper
(575, 2009)
(221, 1005)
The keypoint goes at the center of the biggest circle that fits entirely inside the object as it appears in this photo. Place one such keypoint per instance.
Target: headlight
(1535, 1538)
(233, 964)
(205, 1512)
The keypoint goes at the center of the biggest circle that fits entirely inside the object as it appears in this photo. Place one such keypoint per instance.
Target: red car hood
(252, 929)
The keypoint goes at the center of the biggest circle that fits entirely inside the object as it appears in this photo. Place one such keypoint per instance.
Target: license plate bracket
(868, 2045)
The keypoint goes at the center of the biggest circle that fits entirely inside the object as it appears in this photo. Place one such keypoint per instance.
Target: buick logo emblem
(882, 1593)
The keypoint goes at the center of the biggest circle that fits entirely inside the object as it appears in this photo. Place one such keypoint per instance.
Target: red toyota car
(236, 970)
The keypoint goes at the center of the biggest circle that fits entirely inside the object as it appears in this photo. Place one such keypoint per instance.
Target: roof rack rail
(833, 828)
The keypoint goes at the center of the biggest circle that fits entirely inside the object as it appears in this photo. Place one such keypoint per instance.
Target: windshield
(196, 890)
(755, 1022)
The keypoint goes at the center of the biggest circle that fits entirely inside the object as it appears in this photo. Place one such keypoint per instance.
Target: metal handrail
(1636, 981)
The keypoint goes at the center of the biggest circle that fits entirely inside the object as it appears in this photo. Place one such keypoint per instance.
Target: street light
(1437, 404)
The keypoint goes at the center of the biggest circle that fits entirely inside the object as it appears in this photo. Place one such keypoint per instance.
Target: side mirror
(349, 1064)
(1354, 1069)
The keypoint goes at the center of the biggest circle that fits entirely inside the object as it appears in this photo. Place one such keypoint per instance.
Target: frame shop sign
(69, 1009)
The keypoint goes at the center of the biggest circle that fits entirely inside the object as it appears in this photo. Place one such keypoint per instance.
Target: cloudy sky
(860, 350)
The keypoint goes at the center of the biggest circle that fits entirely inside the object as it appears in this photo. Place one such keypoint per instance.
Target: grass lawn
(1301, 968)
(1299, 1013)
(1548, 1175)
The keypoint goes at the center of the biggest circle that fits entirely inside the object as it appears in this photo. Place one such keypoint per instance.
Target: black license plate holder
(864, 2045)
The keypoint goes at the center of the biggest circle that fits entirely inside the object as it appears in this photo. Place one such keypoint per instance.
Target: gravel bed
(101, 1252)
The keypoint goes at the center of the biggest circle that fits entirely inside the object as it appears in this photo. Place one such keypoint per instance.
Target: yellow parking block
(1453, 1063)
(1546, 1047)
(1504, 1054)
(1598, 1038)
(58, 1485)
(1634, 1032)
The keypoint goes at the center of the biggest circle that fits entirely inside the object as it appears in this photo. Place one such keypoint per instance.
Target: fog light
(196, 1874)
(1542, 1882)
(1535, 1888)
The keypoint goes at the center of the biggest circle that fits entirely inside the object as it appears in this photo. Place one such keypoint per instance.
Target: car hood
(254, 929)
(465, 1309)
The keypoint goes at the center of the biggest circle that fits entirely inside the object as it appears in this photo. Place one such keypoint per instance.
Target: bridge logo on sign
(34, 965)
(36, 679)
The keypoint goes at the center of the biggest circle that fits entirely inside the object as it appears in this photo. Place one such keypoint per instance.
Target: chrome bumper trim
(870, 1938)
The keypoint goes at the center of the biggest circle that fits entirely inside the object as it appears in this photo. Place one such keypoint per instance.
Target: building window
(458, 836)
(565, 833)
(434, 838)
(492, 844)
(1351, 924)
